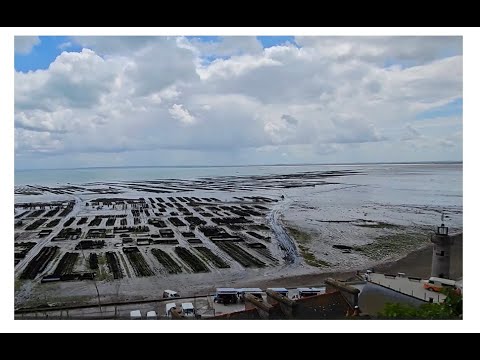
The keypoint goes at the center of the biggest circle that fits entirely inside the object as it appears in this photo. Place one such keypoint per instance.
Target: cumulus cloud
(411, 133)
(65, 45)
(228, 46)
(348, 129)
(329, 99)
(25, 44)
(73, 80)
(181, 114)
(414, 49)
(290, 119)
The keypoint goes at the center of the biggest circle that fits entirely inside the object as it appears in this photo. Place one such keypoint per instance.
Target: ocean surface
(85, 175)
(452, 171)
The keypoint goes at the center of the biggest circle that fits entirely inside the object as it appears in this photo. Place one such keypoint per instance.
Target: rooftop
(135, 313)
(310, 289)
(227, 290)
(187, 306)
(250, 290)
(280, 290)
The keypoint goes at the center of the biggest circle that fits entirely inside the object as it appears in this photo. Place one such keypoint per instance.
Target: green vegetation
(303, 239)
(386, 245)
(102, 274)
(378, 225)
(124, 262)
(211, 258)
(450, 309)
(18, 284)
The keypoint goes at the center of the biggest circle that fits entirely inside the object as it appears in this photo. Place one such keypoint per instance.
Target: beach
(283, 228)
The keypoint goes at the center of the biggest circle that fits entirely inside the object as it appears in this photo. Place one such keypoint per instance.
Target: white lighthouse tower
(442, 243)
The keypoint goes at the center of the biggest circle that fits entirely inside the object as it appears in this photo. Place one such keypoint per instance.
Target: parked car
(188, 310)
(170, 294)
(437, 284)
(152, 315)
(135, 315)
(168, 309)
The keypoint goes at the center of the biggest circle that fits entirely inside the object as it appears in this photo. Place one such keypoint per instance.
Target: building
(340, 301)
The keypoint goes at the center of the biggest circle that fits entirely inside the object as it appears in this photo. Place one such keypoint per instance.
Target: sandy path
(286, 242)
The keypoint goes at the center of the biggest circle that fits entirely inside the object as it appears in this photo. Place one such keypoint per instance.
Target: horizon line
(251, 165)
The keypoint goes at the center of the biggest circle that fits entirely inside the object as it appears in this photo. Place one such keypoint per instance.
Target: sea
(49, 177)
(410, 183)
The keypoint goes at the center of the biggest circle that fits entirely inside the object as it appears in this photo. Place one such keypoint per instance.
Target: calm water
(78, 176)
(410, 183)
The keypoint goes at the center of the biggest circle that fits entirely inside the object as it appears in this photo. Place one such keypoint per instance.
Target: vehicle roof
(309, 289)
(187, 306)
(151, 313)
(169, 306)
(444, 281)
(278, 289)
(171, 292)
(250, 290)
(135, 313)
(226, 290)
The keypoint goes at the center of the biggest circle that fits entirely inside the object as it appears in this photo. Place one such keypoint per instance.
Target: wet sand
(417, 263)
(382, 212)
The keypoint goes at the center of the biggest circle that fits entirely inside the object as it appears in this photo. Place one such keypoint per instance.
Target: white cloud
(25, 44)
(169, 93)
(332, 99)
(73, 80)
(395, 49)
(228, 46)
(65, 45)
(181, 114)
(411, 133)
(234, 67)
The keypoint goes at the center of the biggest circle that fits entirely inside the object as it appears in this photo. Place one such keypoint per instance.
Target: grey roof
(226, 290)
(278, 289)
(250, 290)
(187, 306)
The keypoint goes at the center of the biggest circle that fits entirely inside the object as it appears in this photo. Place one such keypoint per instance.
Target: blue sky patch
(43, 54)
(453, 108)
(269, 41)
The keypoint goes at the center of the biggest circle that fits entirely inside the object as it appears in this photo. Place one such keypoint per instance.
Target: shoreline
(338, 210)
(417, 262)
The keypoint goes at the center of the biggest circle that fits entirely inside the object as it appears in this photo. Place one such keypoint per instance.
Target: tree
(450, 308)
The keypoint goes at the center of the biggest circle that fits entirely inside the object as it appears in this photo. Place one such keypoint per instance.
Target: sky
(164, 101)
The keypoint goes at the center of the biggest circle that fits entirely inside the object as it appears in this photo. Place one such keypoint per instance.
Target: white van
(168, 309)
(188, 310)
(151, 315)
(437, 284)
(167, 294)
(135, 315)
